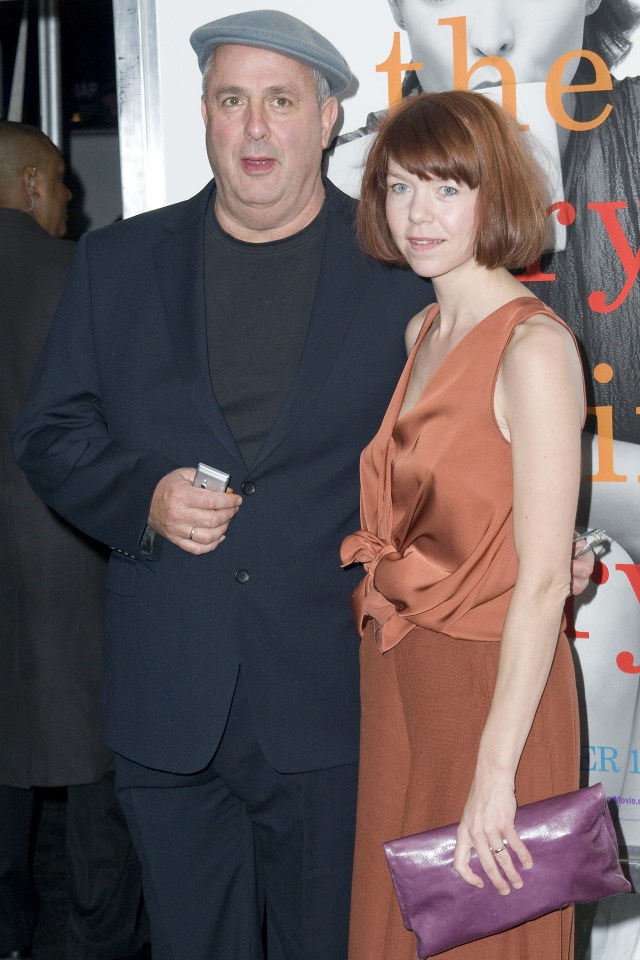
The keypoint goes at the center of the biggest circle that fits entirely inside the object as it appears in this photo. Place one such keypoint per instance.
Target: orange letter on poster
(555, 89)
(461, 72)
(606, 472)
(393, 66)
(603, 373)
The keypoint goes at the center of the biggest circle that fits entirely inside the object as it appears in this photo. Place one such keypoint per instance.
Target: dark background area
(89, 104)
(88, 61)
(89, 101)
(50, 877)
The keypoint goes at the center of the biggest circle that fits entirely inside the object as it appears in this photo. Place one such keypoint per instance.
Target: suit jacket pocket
(121, 575)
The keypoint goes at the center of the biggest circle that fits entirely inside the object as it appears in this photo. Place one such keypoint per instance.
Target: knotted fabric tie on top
(367, 602)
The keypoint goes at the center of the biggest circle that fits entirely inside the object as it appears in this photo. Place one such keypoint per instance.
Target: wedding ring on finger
(193, 530)
(499, 849)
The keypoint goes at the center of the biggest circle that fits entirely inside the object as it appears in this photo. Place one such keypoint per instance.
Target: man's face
(265, 134)
(52, 196)
(529, 34)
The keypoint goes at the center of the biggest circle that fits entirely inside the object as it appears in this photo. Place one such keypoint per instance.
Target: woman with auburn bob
(469, 493)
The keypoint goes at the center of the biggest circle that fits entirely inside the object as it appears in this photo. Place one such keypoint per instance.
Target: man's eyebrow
(282, 89)
(228, 91)
(276, 90)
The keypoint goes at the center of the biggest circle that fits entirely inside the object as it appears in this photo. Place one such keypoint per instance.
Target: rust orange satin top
(436, 497)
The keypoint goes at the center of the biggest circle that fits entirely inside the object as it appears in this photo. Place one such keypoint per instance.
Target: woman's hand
(487, 826)
(581, 567)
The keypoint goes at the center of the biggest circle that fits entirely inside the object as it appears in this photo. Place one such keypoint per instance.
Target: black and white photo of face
(530, 35)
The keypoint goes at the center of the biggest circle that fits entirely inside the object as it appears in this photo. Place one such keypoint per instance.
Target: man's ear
(329, 115)
(29, 179)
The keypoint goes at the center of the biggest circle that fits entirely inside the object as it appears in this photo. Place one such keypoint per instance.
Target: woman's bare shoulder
(414, 327)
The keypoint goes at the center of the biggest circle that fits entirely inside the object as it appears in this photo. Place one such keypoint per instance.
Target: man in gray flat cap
(242, 328)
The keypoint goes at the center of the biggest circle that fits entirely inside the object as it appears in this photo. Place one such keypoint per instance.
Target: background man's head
(32, 176)
(269, 85)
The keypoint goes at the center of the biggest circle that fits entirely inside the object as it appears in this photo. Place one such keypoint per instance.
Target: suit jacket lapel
(340, 287)
(179, 262)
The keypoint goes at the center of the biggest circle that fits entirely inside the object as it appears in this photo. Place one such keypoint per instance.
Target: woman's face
(529, 34)
(432, 222)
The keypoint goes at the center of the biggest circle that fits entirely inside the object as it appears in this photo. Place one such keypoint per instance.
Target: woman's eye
(398, 187)
(448, 191)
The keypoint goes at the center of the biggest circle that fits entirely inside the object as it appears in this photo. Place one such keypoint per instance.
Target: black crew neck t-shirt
(259, 298)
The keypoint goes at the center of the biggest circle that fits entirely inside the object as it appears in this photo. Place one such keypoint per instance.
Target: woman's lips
(423, 243)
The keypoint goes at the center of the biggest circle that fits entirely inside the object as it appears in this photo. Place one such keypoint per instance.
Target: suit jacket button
(242, 576)
(248, 487)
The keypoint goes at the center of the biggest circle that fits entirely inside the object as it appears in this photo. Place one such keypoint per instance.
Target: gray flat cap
(276, 31)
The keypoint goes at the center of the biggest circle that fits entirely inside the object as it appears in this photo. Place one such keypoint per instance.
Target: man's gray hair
(320, 82)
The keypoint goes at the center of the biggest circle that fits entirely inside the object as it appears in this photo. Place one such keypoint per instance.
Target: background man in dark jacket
(51, 606)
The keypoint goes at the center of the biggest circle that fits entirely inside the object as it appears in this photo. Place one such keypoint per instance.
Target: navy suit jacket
(122, 396)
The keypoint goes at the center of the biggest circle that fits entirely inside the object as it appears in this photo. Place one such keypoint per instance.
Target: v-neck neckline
(426, 326)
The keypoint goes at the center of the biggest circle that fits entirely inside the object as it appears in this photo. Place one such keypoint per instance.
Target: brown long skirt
(424, 705)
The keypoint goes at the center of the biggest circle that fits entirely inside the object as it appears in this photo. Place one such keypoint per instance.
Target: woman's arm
(539, 404)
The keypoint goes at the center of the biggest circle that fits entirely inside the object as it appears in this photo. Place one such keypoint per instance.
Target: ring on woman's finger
(193, 530)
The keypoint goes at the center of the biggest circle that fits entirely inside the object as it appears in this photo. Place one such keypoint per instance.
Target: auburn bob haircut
(466, 138)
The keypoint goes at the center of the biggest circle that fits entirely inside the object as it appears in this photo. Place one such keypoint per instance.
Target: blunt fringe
(467, 138)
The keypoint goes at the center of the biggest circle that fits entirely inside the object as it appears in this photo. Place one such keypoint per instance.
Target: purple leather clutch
(575, 860)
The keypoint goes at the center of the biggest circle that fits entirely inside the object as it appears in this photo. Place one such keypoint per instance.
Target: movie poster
(568, 69)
